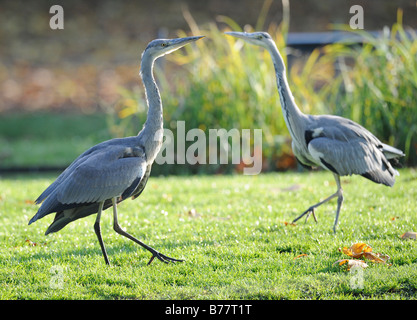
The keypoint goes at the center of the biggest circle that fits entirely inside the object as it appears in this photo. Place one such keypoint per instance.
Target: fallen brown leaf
(289, 223)
(377, 257)
(30, 242)
(356, 250)
(301, 255)
(351, 263)
(34, 244)
(409, 235)
(362, 250)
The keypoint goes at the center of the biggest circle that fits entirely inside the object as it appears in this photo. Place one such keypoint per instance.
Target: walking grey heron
(337, 144)
(114, 170)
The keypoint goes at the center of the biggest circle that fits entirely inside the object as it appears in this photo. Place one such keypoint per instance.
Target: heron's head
(160, 47)
(262, 39)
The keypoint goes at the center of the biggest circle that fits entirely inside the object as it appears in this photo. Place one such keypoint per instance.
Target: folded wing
(114, 171)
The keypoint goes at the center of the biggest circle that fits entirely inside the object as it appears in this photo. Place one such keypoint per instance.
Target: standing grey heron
(113, 170)
(334, 143)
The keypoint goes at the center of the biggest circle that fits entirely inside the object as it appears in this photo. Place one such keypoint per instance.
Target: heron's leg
(338, 194)
(119, 230)
(310, 210)
(98, 232)
(339, 201)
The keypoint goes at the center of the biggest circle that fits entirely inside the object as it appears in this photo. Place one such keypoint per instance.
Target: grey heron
(335, 143)
(113, 170)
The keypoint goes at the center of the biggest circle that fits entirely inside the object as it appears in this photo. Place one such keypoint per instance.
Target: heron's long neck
(151, 134)
(292, 115)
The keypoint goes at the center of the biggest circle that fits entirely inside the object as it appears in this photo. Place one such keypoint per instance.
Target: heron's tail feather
(43, 211)
(59, 222)
(50, 205)
(382, 177)
(63, 217)
(391, 152)
(395, 163)
(34, 218)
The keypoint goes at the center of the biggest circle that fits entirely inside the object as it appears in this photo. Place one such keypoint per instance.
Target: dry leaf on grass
(301, 255)
(349, 263)
(357, 250)
(30, 243)
(377, 257)
(289, 223)
(362, 250)
(409, 235)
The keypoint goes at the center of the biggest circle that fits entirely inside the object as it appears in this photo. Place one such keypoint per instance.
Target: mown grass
(230, 230)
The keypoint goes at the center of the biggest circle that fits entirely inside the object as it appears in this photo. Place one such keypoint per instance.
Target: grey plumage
(114, 170)
(337, 144)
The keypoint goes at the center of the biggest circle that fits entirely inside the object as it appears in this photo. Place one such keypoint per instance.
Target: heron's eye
(260, 37)
(163, 44)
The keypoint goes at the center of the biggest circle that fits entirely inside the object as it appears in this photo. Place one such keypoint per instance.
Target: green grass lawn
(232, 233)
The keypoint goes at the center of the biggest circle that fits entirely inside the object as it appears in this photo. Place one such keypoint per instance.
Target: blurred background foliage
(216, 83)
(231, 85)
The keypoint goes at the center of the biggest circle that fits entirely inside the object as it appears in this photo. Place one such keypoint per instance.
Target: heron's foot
(307, 213)
(310, 212)
(163, 258)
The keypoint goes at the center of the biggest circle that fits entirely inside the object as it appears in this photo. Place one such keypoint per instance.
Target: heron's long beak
(241, 35)
(175, 44)
(180, 42)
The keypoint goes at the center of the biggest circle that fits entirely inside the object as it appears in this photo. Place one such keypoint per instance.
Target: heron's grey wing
(115, 171)
(111, 172)
(78, 161)
(60, 178)
(356, 156)
(62, 218)
(138, 191)
(299, 155)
